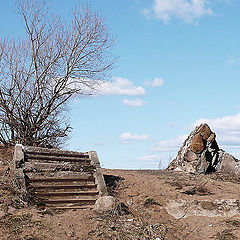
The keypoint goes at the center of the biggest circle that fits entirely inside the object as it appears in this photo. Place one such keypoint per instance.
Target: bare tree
(42, 72)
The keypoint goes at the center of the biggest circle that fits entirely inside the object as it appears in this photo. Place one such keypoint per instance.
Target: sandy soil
(155, 205)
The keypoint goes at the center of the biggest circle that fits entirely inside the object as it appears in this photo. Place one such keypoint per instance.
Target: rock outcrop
(200, 154)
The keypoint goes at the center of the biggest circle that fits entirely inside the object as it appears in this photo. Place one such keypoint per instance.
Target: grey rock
(203, 164)
(11, 210)
(2, 214)
(190, 156)
(106, 204)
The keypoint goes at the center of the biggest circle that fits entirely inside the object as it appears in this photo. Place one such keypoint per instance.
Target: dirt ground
(154, 205)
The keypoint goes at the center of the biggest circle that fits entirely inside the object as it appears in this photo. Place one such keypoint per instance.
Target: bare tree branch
(42, 72)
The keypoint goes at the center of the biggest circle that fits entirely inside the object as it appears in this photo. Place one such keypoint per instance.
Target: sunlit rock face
(200, 154)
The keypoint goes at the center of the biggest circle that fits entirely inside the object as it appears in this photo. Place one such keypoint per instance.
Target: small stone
(205, 131)
(190, 190)
(133, 194)
(190, 156)
(2, 213)
(113, 227)
(211, 137)
(178, 169)
(197, 145)
(188, 168)
(11, 210)
(106, 204)
(130, 202)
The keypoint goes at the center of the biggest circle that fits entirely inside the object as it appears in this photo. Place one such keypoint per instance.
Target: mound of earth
(158, 204)
(200, 154)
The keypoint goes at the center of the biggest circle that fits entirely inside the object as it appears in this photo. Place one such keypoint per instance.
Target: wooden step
(62, 179)
(85, 186)
(65, 197)
(83, 179)
(79, 201)
(71, 197)
(42, 166)
(88, 169)
(67, 170)
(56, 163)
(55, 194)
(55, 152)
(73, 207)
(56, 158)
(58, 174)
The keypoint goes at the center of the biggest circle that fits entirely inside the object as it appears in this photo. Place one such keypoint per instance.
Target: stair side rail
(102, 189)
(19, 176)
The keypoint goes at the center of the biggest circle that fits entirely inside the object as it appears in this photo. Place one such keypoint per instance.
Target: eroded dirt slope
(155, 205)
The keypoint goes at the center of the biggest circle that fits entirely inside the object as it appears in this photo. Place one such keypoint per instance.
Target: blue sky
(179, 66)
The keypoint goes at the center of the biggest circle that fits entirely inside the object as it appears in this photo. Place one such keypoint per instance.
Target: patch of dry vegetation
(226, 234)
(16, 224)
(114, 226)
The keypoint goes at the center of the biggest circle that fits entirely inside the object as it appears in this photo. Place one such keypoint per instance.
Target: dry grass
(226, 235)
(129, 227)
(18, 223)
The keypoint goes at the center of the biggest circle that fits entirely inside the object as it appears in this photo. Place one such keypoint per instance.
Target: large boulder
(200, 154)
(197, 144)
(106, 204)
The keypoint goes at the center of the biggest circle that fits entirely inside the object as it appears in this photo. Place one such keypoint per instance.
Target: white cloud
(157, 82)
(134, 103)
(148, 161)
(119, 86)
(227, 1)
(186, 10)
(230, 61)
(170, 145)
(156, 161)
(127, 136)
(150, 158)
(170, 124)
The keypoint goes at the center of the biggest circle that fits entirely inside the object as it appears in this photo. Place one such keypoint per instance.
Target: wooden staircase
(60, 179)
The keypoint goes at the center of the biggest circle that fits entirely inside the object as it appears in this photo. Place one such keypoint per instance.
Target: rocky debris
(200, 154)
(112, 226)
(2, 213)
(2, 162)
(106, 204)
(218, 208)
